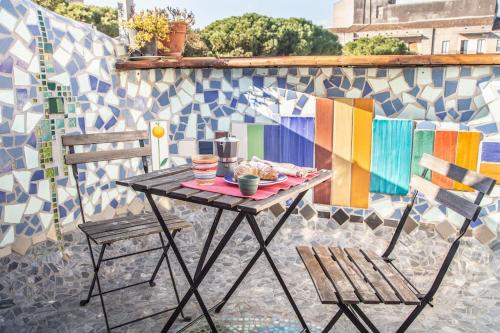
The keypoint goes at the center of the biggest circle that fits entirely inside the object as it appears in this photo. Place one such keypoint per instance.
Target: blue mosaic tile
(464, 104)
(211, 96)
(439, 105)
(93, 82)
(465, 71)
(335, 92)
(367, 90)
(103, 87)
(37, 175)
(7, 65)
(450, 88)
(359, 83)
(381, 72)
(437, 76)
(409, 75)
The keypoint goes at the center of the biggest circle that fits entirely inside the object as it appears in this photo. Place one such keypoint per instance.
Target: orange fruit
(158, 131)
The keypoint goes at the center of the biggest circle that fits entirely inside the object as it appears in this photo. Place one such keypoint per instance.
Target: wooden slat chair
(104, 233)
(350, 277)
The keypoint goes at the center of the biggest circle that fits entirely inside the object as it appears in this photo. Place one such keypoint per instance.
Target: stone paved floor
(40, 292)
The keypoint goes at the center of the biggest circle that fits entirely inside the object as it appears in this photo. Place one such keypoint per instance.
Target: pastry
(261, 170)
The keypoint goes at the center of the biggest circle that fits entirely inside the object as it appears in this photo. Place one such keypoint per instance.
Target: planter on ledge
(177, 39)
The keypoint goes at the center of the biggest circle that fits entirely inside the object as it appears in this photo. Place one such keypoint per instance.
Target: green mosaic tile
(59, 123)
(45, 134)
(51, 85)
(48, 48)
(71, 108)
(72, 122)
(56, 105)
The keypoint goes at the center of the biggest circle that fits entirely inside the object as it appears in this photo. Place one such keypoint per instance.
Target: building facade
(428, 26)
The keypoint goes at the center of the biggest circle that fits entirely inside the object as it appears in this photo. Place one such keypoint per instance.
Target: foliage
(176, 14)
(104, 19)
(257, 35)
(378, 45)
(195, 47)
(149, 24)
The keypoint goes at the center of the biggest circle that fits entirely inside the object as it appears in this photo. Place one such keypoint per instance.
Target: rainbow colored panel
(391, 156)
(423, 143)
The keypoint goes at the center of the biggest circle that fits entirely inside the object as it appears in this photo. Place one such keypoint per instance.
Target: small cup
(205, 168)
(248, 184)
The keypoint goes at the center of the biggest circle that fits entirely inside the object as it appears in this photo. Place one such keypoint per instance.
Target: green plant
(176, 14)
(149, 24)
(257, 35)
(104, 19)
(377, 45)
(195, 46)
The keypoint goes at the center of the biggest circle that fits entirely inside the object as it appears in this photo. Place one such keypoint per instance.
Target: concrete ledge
(315, 61)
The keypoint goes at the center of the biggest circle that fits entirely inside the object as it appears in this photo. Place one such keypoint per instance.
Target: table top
(167, 183)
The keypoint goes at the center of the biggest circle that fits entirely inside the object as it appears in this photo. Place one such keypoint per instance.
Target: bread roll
(261, 170)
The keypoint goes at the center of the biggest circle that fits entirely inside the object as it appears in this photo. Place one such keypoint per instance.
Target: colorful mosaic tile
(58, 77)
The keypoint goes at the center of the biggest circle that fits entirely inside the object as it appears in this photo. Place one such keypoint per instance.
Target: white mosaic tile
(6, 182)
(14, 213)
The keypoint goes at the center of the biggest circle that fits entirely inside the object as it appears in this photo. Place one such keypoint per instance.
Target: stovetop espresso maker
(227, 150)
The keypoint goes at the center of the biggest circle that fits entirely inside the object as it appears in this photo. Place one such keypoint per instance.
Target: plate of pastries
(267, 174)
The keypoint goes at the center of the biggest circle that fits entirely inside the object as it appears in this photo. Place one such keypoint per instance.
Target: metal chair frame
(100, 259)
(355, 313)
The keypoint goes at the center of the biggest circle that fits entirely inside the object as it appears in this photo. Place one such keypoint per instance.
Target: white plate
(281, 178)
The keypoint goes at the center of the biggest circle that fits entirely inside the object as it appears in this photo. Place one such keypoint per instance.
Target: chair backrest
(482, 184)
(73, 158)
(95, 156)
(469, 210)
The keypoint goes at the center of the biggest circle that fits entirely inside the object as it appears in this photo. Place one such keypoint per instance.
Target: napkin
(288, 168)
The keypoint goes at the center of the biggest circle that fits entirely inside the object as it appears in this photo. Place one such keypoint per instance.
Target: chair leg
(352, 317)
(84, 302)
(413, 315)
(96, 274)
(363, 317)
(174, 285)
(332, 322)
(163, 255)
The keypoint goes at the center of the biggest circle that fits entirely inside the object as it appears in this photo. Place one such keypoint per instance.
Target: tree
(104, 19)
(257, 35)
(378, 45)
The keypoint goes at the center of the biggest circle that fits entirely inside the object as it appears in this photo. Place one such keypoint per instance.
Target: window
(463, 46)
(445, 46)
(480, 45)
(413, 47)
(498, 45)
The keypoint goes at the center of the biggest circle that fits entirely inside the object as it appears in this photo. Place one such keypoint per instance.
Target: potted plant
(180, 22)
(147, 28)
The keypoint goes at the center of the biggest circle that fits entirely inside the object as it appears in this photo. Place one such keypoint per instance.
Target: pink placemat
(222, 187)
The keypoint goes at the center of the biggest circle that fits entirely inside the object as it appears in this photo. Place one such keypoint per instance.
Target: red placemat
(222, 187)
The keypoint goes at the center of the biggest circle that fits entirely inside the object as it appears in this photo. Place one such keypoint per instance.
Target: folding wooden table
(167, 183)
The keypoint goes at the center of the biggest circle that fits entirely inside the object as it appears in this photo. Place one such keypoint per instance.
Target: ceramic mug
(205, 168)
(248, 184)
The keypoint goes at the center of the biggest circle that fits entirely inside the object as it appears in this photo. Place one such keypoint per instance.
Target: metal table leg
(263, 246)
(257, 255)
(202, 272)
(193, 286)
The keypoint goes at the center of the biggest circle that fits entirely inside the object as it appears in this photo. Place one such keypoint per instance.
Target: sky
(206, 11)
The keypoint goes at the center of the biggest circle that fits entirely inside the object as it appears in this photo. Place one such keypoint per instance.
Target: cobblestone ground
(40, 292)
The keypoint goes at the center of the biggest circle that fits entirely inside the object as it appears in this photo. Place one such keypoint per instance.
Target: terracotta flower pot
(177, 39)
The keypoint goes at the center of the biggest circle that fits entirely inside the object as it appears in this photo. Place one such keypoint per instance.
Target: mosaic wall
(57, 76)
